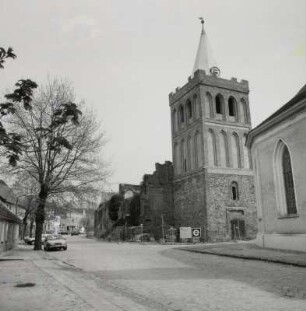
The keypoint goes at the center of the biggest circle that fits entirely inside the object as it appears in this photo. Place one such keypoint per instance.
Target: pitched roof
(6, 193)
(267, 123)
(204, 58)
(7, 215)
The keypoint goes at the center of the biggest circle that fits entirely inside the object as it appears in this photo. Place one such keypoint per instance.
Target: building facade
(278, 147)
(213, 185)
(9, 228)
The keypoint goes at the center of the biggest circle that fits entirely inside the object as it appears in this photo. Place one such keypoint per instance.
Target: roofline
(296, 104)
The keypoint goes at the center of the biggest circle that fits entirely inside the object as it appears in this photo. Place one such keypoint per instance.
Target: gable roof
(7, 215)
(294, 104)
(6, 193)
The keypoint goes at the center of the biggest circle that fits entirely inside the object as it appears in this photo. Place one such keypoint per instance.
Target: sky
(124, 57)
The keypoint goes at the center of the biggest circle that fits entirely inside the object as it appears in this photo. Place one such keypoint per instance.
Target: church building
(278, 146)
(213, 182)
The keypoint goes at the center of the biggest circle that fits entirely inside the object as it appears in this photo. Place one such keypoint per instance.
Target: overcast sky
(125, 56)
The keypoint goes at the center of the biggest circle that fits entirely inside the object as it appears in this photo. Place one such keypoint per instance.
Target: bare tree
(60, 147)
(26, 190)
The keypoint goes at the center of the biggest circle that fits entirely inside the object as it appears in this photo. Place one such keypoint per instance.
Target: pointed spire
(204, 59)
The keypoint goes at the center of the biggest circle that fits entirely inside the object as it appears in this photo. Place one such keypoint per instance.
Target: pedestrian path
(248, 250)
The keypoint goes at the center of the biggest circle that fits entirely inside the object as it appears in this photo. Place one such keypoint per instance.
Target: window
(189, 109)
(174, 120)
(284, 181)
(182, 114)
(288, 182)
(232, 107)
(234, 191)
(219, 104)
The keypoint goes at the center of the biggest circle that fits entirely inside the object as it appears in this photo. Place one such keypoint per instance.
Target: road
(125, 276)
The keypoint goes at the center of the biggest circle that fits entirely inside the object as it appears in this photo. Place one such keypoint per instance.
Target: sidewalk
(248, 250)
(25, 286)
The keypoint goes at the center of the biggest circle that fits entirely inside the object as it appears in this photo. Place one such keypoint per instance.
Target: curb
(270, 260)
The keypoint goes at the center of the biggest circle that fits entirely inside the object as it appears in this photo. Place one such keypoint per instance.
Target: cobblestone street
(94, 275)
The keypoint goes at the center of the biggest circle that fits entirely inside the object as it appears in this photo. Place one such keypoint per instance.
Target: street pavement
(95, 275)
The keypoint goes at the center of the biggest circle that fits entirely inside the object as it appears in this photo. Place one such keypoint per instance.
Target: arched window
(232, 107)
(234, 191)
(189, 109)
(182, 114)
(189, 155)
(219, 104)
(176, 159)
(209, 110)
(243, 111)
(224, 156)
(284, 180)
(246, 153)
(235, 150)
(211, 145)
(174, 120)
(196, 106)
(197, 150)
(288, 182)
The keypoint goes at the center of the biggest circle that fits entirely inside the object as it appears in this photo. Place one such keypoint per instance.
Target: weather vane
(202, 20)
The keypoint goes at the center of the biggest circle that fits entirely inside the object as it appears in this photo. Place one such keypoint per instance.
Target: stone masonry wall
(221, 208)
(157, 200)
(189, 201)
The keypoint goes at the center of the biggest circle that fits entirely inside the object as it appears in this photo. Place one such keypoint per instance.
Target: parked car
(75, 232)
(44, 236)
(64, 232)
(29, 240)
(55, 241)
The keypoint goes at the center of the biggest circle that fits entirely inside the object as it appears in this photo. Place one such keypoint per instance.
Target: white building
(278, 147)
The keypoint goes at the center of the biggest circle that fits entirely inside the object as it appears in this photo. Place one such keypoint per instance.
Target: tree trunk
(40, 217)
(24, 226)
(31, 227)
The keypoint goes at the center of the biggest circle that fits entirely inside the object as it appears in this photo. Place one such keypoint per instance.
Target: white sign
(196, 232)
(185, 232)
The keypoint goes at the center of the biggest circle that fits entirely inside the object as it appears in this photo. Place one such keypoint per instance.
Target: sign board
(196, 232)
(185, 232)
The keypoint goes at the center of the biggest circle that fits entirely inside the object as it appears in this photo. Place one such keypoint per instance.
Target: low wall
(295, 242)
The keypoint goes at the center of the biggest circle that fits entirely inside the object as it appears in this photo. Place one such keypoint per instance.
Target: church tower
(213, 183)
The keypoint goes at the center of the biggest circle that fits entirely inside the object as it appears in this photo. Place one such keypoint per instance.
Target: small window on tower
(232, 106)
(182, 114)
(219, 104)
(189, 109)
(234, 188)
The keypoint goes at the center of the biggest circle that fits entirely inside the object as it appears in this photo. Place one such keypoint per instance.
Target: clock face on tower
(215, 71)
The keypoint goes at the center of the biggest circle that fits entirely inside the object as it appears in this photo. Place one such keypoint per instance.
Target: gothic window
(288, 182)
(224, 156)
(234, 191)
(181, 114)
(246, 153)
(182, 154)
(232, 107)
(209, 111)
(197, 150)
(243, 111)
(189, 109)
(235, 150)
(284, 180)
(211, 145)
(189, 156)
(174, 120)
(219, 104)
(176, 159)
